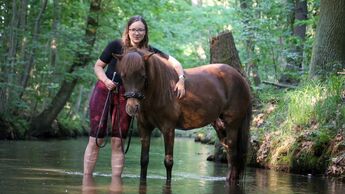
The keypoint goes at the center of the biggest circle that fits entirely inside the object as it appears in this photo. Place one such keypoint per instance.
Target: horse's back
(218, 79)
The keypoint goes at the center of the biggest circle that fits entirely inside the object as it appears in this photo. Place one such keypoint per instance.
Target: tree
(328, 53)
(29, 64)
(223, 50)
(294, 59)
(299, 29)
(41, 124)
(248, 15)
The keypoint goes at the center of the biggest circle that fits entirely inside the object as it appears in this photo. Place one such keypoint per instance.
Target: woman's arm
(99, 71)
(179, 87)
(177, 66)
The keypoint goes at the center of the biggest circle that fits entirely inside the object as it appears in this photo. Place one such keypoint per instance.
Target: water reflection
(234, 189)
(166, 188)
(55, 167)
(116, 186)
(90, 187)
(142, 187)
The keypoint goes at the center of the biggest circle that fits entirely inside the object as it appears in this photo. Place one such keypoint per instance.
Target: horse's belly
(196, 119)
(200, 110)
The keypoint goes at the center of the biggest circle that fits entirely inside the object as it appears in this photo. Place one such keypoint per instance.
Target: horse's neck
(159, 90)
(154, 101)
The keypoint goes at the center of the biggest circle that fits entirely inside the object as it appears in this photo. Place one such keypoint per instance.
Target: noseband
(136, 95)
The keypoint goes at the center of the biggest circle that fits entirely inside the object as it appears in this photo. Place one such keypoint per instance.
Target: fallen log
(281, 85)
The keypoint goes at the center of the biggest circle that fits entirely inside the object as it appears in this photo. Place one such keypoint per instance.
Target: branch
(279, 84)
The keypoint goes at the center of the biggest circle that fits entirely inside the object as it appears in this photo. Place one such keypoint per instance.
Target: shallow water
(56, 167)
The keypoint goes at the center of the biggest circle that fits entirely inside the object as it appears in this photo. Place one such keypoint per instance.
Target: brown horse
(216, 94)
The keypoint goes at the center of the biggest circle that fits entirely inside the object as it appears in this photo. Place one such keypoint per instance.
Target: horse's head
(134, 78)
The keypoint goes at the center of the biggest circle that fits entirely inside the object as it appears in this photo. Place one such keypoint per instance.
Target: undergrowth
(299, 123)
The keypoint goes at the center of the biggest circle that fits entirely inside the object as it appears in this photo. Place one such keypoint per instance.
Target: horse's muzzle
(132, 106)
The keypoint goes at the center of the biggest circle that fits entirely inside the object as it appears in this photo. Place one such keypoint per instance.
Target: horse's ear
(117, 56)
(147, 56)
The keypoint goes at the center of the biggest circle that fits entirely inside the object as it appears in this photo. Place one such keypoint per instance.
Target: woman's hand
(179, 88)
(109, 84)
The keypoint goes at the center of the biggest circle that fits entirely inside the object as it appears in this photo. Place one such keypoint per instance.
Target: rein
(106, 106)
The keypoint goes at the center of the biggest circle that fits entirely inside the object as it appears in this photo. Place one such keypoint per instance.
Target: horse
(216, 94)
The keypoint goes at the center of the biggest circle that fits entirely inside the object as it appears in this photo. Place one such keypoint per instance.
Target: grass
(302, 123)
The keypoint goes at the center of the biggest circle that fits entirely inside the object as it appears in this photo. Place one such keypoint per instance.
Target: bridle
(136, 95)
(139, 95)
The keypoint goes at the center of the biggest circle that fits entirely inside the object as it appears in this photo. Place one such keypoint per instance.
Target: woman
(134, 35)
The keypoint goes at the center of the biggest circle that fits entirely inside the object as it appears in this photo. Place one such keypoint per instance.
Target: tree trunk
(250, 46)
(79, 99)
(299, 31)
(223, 50)
(23, 26)
(53, 43)
(328, 53)
(41, 125)
(10, 59)
(35, 34)
(294, 61)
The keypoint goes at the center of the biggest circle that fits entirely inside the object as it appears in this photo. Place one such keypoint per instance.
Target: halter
(137, 95)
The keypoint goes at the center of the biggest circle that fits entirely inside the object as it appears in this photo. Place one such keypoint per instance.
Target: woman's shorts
(115, 110)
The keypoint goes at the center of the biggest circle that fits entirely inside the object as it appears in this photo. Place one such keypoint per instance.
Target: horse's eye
(123, 75)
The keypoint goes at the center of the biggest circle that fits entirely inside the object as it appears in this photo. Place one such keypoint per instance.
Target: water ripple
(178, 176)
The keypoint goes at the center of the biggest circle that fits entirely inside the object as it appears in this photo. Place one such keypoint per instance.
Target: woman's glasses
(140, 30)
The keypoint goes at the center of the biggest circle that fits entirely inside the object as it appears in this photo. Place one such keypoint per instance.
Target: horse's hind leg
(169, 136)
(235, 158)
(218, 125)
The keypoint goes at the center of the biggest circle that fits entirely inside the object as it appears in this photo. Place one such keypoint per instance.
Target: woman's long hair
(125, 37)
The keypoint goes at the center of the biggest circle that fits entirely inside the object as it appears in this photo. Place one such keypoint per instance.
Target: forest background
(292, 51)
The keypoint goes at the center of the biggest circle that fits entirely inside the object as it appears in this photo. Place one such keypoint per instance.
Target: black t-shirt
(116, 48)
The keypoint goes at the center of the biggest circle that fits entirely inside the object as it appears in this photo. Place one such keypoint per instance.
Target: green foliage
(331, 111)
(313, 102)
(12, 127)
(308, 118)
(302, 102)
(310, 152)
(71, 126)
(178, 28)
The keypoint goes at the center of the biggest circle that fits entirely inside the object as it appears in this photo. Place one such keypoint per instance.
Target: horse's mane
(161, 76)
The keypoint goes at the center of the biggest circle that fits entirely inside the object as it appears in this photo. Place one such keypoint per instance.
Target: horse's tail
(243, 139)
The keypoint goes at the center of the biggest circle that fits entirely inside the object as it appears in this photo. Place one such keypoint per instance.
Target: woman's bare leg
(117, 156)
(91, 155)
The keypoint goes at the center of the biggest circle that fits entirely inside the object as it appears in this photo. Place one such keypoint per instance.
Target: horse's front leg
(145, 134)
(169, 136)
